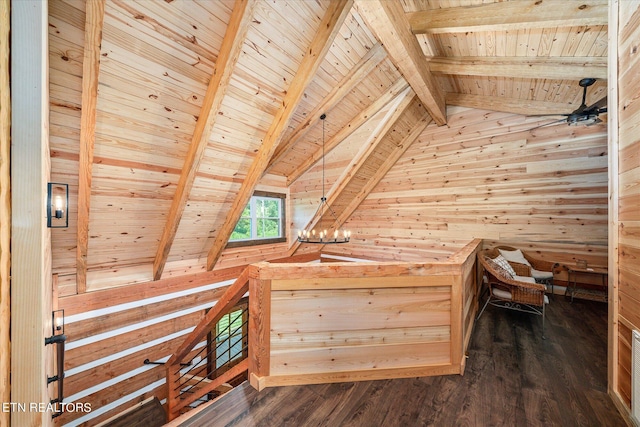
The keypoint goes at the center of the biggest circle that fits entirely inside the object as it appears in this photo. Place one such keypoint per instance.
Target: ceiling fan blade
(586, 115)
(555, 122)
(547, 115)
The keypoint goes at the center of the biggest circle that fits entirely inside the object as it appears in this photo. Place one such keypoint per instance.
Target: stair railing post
(173, 392)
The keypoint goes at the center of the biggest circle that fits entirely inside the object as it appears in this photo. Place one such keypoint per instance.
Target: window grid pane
(261, 219)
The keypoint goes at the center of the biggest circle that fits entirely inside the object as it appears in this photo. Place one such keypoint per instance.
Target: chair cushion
(504, 264)
(514, 256)
(502, 294)
(541, 275)
(527, 279)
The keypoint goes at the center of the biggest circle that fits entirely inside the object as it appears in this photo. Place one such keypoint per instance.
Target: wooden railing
(318, 323)
(189, 375)
(321, 323)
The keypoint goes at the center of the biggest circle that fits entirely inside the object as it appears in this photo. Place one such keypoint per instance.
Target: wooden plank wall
(360, 321)
(484, 175)
(102, 279)
(115, 276)
(627, 223)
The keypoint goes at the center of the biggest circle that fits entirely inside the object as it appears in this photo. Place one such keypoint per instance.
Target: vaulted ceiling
(167, 115)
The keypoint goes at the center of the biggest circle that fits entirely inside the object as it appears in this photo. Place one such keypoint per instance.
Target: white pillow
(514, 256)
(502, 262)
(542, 275)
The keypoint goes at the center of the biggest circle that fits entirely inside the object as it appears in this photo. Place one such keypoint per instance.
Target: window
(262, 221)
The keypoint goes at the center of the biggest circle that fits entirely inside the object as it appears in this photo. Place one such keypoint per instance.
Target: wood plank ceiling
(166, 116)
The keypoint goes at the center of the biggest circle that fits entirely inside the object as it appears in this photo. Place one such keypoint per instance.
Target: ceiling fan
(585, 115)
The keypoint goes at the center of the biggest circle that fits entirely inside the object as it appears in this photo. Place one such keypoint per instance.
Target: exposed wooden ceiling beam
(381, 171)
(331, 22)
(510, 16)
(353, 125)
(94, 20)
(229, 52)
(401, 103)
(561, 68)
(509, 105)
(375, 55)
(388, 22)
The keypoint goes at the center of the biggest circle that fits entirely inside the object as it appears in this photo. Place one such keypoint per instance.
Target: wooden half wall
(334, 322)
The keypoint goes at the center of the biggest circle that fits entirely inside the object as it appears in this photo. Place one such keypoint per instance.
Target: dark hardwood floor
(513, 378)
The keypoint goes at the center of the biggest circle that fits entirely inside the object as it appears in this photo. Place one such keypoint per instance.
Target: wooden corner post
(5, 212)
(31, 281)
(259, 326)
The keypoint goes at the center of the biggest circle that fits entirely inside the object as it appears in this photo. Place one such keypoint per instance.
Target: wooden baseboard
(260, 383)
(622, 407)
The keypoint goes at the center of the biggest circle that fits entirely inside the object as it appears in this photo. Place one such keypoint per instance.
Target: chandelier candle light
(323, 237)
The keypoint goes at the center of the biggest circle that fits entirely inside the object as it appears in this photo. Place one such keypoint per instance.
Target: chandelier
(322, 236)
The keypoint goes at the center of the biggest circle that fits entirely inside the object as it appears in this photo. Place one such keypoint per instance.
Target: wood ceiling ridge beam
(561, 68)
(230, 49)
(387, 20)
(400, 104)
(364, 67)
(94, 22)
(330, 24)
(353, 125)
(508, 105)
(513, 15)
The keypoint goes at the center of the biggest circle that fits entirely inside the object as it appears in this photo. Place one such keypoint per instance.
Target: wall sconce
(57, 205)
(57, 322)
(58, 338)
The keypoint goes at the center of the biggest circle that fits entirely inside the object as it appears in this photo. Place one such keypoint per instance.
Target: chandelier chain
(309, 236)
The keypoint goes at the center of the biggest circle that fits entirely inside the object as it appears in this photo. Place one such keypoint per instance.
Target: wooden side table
(597, 294)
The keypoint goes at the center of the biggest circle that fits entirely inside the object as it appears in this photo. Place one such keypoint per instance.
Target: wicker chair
(541, 270)
(515, 292)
